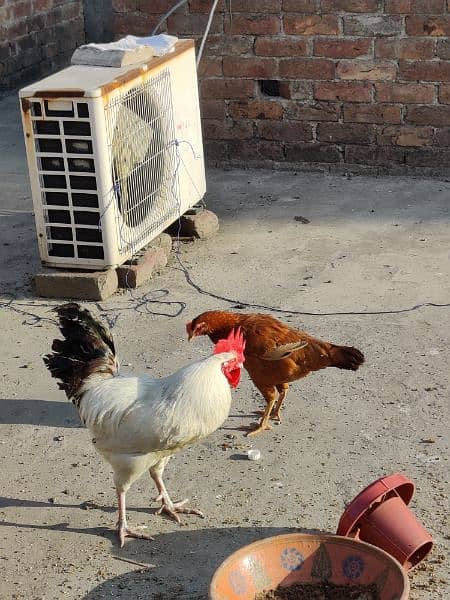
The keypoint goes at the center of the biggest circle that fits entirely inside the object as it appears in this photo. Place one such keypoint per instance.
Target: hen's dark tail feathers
(346, 357)
(87, 349)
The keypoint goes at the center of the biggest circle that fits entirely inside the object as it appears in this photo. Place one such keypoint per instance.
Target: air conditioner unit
(115, 155)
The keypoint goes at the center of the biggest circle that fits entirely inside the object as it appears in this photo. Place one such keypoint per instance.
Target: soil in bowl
(321, 591)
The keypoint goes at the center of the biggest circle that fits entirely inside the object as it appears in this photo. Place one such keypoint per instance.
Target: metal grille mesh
(141, 140)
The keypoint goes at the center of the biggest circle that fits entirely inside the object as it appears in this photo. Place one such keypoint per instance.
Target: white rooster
(138, 422)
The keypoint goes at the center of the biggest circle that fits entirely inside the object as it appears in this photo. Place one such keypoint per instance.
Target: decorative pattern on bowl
(291, 559)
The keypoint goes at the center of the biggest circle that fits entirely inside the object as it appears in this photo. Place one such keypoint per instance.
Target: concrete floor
(371, 245)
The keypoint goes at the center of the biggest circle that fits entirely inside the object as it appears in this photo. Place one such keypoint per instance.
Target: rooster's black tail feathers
(87, 349)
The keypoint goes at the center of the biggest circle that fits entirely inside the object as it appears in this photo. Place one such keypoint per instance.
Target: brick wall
(360, 81)
(37, 37)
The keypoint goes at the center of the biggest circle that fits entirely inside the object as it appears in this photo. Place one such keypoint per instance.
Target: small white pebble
(254, 454)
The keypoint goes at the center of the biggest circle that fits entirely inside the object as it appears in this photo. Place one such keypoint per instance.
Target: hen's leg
(270, 395)
(167, 505)
(282, 390)
(123, 530)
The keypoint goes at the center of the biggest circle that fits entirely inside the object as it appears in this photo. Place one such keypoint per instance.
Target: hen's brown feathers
(264, 334)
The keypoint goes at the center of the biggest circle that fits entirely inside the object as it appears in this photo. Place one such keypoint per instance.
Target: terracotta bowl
(301, 557)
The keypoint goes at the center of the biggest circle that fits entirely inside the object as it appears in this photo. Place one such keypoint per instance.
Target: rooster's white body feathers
(137, 420)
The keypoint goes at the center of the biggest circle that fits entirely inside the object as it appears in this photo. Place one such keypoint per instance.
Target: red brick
(21, 10)
(442, 136)
(256, 109)
(444, 93)
(251, 150)
(124, 6)
(135, 24)
(306, 68)
(342, 48)
(147, 263)
(151, 8)
(384, 155)
(424, 70)
(213, 109)
(202, 6)
(372, 25)
(346, 133)
(428, 157)
(227, 129)
(16, 30)
(405, 136)
(353, 6)
(281, 46)
(262, 68)
(229, 45)
(301, 6)
(312, 153)
(289, 131)
(432, 26)
(366, 70)
(296, 90)
(255, 6)
(420, 49)
(410, 93)
(351, 92)
(193, 24)
(210, 67)
(406, 7)
(40, 5)
(372, 113)
(311, 25)
(439, 116)
(257, 24)
(227, 88)
(443, 49)
(270, 150)
(39, 23)
(315, 112)
(71, 11)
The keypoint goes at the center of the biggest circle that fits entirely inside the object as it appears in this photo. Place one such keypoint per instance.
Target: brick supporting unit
(346, 82)
(37, 37)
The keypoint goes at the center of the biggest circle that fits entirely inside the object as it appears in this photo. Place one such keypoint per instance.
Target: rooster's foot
(259, 428)
(173, 509)
(123, 531)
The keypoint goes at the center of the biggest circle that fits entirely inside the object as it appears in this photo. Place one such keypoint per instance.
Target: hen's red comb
(234, 342)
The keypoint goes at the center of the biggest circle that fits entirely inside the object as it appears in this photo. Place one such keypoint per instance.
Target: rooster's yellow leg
(167, 505)
(123, 530)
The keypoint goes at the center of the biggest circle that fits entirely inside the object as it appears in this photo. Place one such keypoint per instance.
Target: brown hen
(275, 354)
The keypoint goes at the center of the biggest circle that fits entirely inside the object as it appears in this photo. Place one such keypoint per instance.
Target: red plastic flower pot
(380, 516)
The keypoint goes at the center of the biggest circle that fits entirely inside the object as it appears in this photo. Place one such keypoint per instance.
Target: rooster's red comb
(234, 342)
